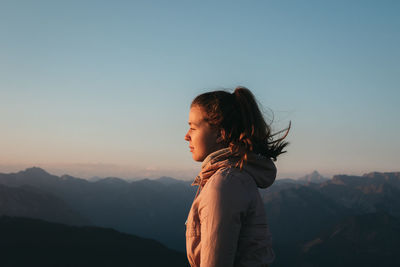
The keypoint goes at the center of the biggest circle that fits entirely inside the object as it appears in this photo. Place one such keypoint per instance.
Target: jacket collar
(259, 167)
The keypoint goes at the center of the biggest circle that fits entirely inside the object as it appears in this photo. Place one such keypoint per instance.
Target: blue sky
(103, 88)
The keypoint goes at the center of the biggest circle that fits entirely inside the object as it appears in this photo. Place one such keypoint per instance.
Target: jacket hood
(259, 167)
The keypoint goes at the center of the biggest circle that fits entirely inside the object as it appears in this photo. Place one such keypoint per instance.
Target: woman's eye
(192, 129)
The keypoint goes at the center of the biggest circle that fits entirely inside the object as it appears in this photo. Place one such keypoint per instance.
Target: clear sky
(103, 88)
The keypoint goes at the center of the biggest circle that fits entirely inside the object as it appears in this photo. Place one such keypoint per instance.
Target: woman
(227, 224)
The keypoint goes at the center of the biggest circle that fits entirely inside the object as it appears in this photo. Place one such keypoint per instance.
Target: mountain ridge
(44, 243)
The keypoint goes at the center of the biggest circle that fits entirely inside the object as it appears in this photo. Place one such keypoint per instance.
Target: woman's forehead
(196, 115)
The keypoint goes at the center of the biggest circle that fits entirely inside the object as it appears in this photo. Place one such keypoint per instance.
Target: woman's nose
(187, 137)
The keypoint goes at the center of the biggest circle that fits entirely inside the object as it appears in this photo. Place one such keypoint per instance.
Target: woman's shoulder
(228, 185)
(229, 176)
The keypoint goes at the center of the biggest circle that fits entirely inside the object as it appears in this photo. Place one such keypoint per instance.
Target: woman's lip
(191, 148)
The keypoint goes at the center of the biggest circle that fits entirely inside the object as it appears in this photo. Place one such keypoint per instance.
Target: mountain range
(33, 242)
(150, 208)
(301, 213)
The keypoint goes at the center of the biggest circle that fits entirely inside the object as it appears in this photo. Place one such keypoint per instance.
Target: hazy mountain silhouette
(285, 183)
(279, 185)
(297, 211)
(392, 178)
(32, 242)
(28, 201)
(171, 181)
(150, 208)
(365, 194)
(313, 177)
(364, 240)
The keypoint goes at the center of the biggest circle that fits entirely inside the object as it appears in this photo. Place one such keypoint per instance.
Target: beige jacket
(227, 224)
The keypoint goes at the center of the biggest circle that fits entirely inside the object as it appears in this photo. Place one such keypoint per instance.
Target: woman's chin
(196, 157)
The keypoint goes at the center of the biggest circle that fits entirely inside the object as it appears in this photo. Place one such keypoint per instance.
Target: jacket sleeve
(221, 219)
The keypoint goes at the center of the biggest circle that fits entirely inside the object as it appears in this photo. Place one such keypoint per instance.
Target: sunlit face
(202, 138)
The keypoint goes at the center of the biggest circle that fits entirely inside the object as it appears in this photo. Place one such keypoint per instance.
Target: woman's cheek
(195, 136)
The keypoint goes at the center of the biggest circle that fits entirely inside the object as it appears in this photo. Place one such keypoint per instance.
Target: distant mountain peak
(167, 180)
(35, 171)
(314, 177)
(111, 180)
(67, 177)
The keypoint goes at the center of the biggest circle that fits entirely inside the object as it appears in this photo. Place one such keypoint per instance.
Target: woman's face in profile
(201, 136)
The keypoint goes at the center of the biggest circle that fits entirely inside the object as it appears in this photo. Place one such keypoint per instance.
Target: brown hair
(242, 124)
